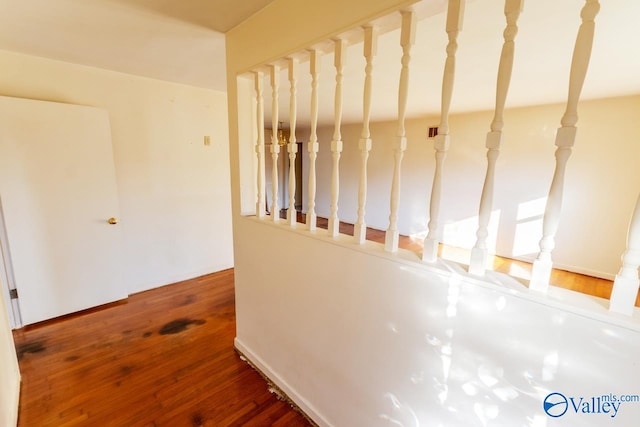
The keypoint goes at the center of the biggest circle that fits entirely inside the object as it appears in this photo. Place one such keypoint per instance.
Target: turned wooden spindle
(292, 146)
(565, 138)
(260, 202)
(625, 286)
(336, 142)
(364, 144)
(314, 70)
(275, 148)
(407, 39)
(479, 253)
(455, 14)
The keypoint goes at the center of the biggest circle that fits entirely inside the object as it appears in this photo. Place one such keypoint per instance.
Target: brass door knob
(112, 221)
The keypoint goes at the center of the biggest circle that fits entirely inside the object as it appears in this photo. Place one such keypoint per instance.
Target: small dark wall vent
(433, 131)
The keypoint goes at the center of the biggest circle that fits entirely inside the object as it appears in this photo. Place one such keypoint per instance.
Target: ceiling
(174, 40)
(183, 41)
(543, 50)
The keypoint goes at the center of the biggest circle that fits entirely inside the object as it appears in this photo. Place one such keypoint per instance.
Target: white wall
(173, 191)
(360, 337)
(602, 180)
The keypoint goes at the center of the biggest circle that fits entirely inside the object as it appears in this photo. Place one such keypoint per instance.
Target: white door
(57, 192)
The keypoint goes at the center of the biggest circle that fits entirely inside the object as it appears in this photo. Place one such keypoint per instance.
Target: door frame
(7, 281)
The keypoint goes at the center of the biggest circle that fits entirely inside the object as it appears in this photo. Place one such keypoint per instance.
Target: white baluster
(407, 38)
(512, 9)
(275, 148)
(260, 202)
(364, 144)
(336, 143)
(314, 70)
(565, 138)
(292, 146)
(455, 14)
(625, 286)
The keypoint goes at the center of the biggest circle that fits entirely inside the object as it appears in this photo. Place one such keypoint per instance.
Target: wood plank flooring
(164, 357)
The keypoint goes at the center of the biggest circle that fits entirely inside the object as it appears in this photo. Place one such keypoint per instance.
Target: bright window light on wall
(528, 227)
(462, 233)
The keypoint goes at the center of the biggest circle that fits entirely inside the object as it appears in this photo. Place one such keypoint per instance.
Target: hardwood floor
(164, 357)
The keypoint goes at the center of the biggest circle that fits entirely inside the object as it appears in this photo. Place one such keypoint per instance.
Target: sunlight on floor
(519, 271)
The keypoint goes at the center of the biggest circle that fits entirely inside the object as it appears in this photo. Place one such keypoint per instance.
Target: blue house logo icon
(555, 405)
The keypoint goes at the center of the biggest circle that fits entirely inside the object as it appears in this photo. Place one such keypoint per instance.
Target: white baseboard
(585, 271)
(289, 391)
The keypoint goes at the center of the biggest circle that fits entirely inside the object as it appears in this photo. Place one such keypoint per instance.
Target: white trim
(303, 404)
(4, 283)
(14, 415)
(585, 271)
(7, 281)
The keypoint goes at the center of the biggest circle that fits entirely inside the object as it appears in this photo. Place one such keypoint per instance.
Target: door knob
(112, 221)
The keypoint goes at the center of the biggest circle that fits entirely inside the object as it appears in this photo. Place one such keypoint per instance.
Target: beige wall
(602, 181)
(173, 191)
